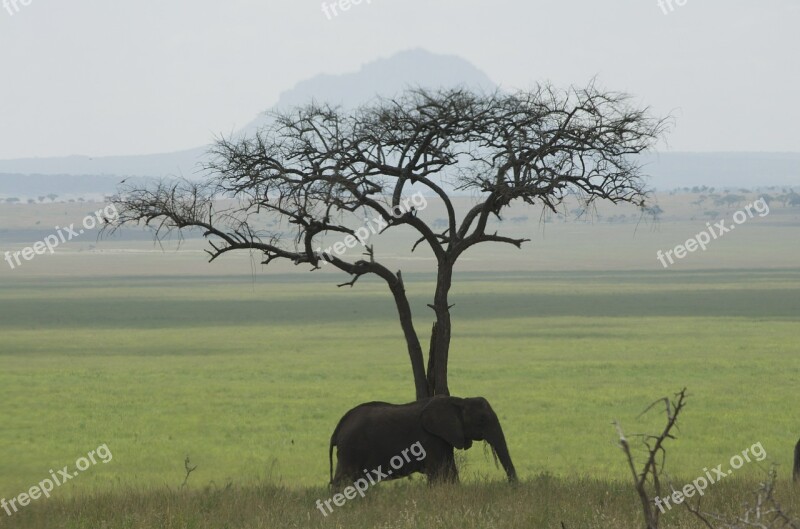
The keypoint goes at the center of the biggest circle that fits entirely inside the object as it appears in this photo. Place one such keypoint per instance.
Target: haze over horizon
(208, 68)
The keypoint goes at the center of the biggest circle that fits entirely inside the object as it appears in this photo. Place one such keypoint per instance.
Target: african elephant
(796, 472)
(370, 436)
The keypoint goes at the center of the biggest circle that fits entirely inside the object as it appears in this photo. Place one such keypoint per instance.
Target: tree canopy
(319, 167)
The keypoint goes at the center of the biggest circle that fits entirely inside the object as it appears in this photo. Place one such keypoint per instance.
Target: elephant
(371, 435)
(796, 472)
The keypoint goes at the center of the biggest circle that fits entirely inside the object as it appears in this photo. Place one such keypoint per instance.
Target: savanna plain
(246, 370)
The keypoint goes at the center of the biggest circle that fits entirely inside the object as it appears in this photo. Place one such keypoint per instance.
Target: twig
(189, 470)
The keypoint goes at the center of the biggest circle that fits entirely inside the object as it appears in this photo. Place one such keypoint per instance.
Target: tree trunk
(412, 340)
(440, 334)
(431, 382)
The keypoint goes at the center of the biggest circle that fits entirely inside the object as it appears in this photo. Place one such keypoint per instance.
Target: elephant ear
(442, 418)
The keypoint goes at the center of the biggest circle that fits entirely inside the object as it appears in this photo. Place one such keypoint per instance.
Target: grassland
(541, 502)
(248, 374)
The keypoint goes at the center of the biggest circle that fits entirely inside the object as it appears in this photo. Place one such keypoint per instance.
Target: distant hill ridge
(386, 77)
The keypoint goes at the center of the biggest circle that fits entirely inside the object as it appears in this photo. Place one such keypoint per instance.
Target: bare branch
(650, 472)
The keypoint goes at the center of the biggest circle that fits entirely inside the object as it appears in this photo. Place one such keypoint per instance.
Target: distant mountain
(386, 77)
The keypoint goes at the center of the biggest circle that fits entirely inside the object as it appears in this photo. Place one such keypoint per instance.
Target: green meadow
(160, 356)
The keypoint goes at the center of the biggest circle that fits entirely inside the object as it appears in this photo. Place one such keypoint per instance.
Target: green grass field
(248, 375)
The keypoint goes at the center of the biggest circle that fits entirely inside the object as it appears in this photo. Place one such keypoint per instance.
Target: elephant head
(461, 421)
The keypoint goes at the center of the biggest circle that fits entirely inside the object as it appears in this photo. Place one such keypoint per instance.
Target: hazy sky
(102, 77)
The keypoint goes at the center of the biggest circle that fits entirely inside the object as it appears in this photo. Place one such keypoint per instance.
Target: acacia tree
(317, 165)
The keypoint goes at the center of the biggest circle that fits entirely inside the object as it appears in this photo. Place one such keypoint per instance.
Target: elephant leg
(345, 470)
(444, 469)
(451, 470)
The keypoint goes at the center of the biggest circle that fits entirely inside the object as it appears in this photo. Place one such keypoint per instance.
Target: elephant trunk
(498, 443)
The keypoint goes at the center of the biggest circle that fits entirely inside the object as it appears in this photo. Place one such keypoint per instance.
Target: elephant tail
(796, 473)
(335, 434)
(334, 442)
(330, 456)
